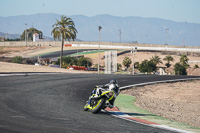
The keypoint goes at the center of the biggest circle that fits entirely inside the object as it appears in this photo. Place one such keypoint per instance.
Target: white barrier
(138, 48)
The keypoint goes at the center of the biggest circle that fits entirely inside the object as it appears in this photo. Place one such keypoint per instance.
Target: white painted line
(2, 75)
(149, 83)
(18, 117)
(124, 117)
(172, 128)
(26, 74)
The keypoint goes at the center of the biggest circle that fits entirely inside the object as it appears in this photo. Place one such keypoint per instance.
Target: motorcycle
(99, 99)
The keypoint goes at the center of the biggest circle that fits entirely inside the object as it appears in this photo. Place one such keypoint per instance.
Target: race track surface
(65, 53)
(54, 103)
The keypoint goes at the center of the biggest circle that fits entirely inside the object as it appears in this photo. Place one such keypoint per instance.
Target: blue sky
(176, 10)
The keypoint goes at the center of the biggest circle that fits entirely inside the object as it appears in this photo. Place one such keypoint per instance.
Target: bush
(180, 69)
(196, 66)
(17, 59)
(136, 64)
(167, 65)
(147, 66)
(82, 61)
(119, 66)
(70, 61)
(127, 62)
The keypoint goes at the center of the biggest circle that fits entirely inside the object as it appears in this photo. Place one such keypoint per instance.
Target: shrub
(17, 59)
(147, 66)
(127, 62)
(136, 64)
(167, 65)
(196, 66)
(82, 61)
(67, 61)
(119, 66)
(180, 69)
(184, 61)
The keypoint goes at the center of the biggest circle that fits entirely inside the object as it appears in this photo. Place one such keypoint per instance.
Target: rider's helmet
(113, 81)
(114, 85)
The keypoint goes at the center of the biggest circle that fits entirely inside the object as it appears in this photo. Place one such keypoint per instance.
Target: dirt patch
(14, 67)
(12, 51)
(176, 101)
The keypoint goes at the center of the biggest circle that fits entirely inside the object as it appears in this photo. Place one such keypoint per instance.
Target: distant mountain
(10, 36)
(142, 30)
(14, 36)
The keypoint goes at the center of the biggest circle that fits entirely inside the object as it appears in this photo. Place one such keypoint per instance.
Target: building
(37, 37)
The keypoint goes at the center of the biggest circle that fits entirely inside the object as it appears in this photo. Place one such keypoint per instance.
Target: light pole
(99, 48)
(167, 35)
(26, 34)
(133, 50)
(120, 33)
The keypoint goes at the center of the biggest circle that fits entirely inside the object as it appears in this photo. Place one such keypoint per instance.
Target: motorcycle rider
(112, 85)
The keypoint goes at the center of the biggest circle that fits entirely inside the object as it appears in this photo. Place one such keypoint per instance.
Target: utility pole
(133, 51)
(99, 48)
(6, 36)
(26, 34)
(120, 33)
(167, 35)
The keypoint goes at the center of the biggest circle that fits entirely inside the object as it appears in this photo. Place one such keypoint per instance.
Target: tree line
(150, 66)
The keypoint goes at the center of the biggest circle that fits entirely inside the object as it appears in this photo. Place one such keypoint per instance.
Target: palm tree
(168, 59)
(184, 61)
(62, 30)
(156, 59)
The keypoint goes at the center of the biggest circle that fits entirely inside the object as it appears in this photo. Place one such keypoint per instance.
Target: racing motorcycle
(99, 99)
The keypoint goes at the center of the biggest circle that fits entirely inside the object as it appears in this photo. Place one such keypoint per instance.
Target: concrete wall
(58, 43)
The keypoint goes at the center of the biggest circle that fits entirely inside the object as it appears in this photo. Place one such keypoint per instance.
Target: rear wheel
(99, 104)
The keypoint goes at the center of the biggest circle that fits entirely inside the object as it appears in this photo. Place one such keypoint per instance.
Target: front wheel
(85, 108)
(97, 107)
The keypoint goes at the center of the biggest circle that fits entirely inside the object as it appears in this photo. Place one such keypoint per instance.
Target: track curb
(116, 112)
(156, 82)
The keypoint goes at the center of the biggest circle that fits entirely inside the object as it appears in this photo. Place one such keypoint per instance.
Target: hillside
(142, 30)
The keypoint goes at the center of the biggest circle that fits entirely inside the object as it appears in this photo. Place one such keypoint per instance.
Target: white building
(37, 37)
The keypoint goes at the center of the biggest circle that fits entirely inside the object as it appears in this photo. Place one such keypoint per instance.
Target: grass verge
(126, 104)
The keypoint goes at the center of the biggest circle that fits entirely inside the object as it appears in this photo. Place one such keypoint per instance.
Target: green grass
(79, 53)
(126, 104)
(90, 52)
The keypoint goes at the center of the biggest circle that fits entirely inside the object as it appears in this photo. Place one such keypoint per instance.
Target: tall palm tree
(168, 59)
(64, 30)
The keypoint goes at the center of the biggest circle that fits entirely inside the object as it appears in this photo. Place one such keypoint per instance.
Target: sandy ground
(141, 56)
(31, 51)
(176, 101)
(13, 67)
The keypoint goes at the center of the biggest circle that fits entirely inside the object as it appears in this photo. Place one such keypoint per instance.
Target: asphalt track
(65, 52)
(53, 103)
(69, 52)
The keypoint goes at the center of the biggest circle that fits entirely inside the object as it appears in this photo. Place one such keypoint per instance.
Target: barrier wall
(58, 43)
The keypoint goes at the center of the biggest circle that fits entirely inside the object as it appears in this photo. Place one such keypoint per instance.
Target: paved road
(69, 52)
(54, 104)
(66, 52)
